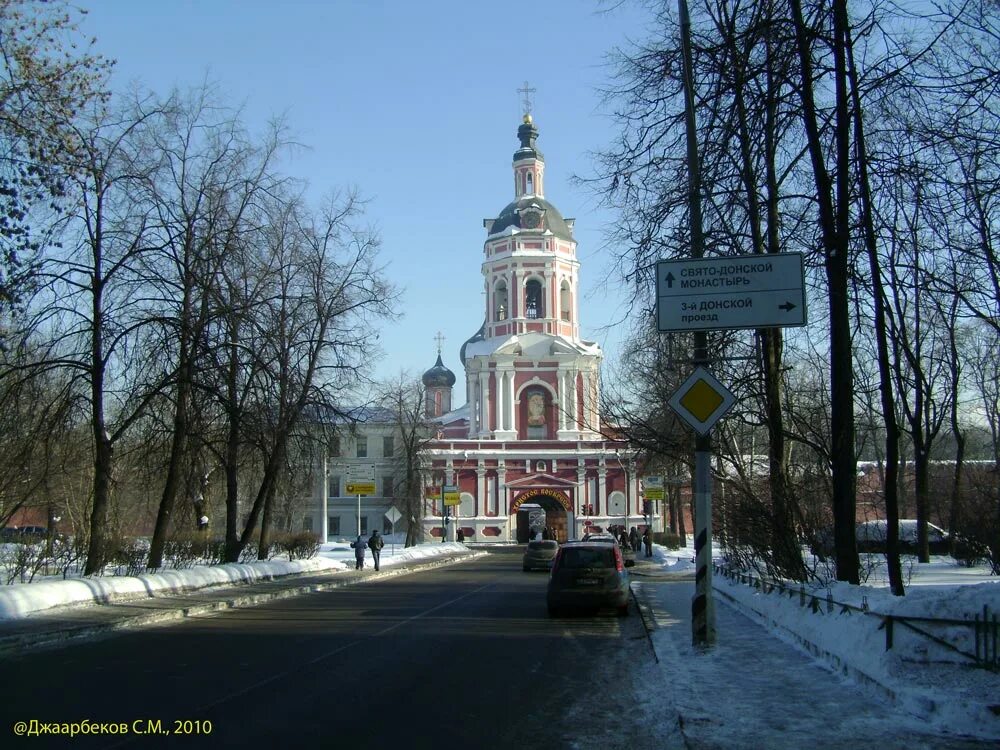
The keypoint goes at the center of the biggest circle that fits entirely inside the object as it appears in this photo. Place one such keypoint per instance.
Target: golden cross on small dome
(527, 90)
(439, 338)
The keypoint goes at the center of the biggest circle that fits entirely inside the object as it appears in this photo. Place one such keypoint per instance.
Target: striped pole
(702, 607)
(702, 611)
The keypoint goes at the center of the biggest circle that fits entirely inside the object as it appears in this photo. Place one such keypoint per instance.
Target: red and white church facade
(528, 448)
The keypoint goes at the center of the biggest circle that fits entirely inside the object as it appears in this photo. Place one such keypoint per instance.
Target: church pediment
(541, 480)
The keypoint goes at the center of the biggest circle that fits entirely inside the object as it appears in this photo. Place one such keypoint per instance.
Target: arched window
(501, 307)
(467, 507)
(531, 188)
(565, 300)
(534, 306)
(616, 504)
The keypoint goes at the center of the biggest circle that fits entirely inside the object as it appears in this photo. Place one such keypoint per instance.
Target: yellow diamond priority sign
(702, 400)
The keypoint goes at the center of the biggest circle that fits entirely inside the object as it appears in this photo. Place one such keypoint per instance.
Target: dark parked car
(588, 574)
(23, 533)
(871, 537)
(628, 554)
(540, 554)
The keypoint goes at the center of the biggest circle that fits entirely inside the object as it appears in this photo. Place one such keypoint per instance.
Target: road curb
(22, 642)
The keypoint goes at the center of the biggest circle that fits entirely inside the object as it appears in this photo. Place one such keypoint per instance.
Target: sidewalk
(73, 622)
(753, 690)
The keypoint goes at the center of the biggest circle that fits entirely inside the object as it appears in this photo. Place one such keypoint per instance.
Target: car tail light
(619, 562)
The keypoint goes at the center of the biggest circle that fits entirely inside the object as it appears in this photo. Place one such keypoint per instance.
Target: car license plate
(587, 581)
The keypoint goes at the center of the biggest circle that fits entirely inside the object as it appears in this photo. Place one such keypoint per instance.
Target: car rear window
(544, 544)
(588, 557)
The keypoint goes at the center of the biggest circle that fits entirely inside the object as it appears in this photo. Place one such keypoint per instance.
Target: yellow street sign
(653, 493)
(360, 488)
(702, 400)
(451, 495)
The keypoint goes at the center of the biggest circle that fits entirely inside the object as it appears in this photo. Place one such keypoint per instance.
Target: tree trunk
(834, 225)
(890, 480)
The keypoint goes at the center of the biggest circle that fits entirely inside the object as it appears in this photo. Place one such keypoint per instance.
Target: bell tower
(529, 375)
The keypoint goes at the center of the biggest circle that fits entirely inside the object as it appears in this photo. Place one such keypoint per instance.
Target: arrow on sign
(787, 307)
(670, 281)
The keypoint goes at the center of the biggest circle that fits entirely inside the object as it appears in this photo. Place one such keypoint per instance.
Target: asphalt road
(462, 656)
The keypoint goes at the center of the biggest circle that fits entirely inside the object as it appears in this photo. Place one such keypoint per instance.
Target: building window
(387, 485)
(307, 523)
(388, 446)
(565, 301)
(335, 446)
(533, 307)
(364, 525)
(531, 185)
(333, 490)
(362, 446)
(500, 301)
(333, 526)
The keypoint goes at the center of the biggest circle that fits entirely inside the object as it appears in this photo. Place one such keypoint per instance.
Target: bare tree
(213, 173)
(293, 316)
(44, 84)
(405, 400)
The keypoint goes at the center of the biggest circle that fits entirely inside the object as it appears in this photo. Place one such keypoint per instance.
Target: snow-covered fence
(975, 638)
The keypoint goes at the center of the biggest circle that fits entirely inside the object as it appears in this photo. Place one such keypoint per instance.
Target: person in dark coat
(375, 544)
(647, 539)
(633, 539)
(359, 552)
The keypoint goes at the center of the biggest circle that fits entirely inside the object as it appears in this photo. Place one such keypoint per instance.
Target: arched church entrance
(537, 510)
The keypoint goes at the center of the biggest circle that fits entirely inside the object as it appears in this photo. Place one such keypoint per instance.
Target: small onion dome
(438, 376)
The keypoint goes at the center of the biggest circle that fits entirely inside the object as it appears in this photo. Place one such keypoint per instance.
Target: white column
(502, 494)
(602, 488)
(484, 401)
(501, 379)
(325, 495)
(510, 402)
(481, 490)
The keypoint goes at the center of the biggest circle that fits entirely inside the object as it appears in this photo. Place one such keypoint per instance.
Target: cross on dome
(527, 90)
(439, 338)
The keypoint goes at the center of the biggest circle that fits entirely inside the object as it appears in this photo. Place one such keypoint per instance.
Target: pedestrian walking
(633, 539)
(460, 536)
(359, 552)
(375, 544)
(647, 539)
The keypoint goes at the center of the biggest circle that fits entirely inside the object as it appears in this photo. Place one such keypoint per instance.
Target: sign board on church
(744, 291)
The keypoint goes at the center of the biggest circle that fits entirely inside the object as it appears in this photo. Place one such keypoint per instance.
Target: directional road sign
(702, 400)
(359, 473)
(652, 487)
(744, 291)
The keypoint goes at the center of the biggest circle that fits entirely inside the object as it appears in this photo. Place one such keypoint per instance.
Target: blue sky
(416, 105)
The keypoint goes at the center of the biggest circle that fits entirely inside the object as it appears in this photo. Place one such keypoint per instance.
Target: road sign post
(360, 481)
(393, 515)
(744, 291)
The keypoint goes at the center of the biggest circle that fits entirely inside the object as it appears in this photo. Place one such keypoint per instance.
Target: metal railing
(985, 626)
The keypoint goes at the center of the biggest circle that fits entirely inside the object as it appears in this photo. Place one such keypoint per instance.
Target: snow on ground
(926, 679)
(21, 600)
